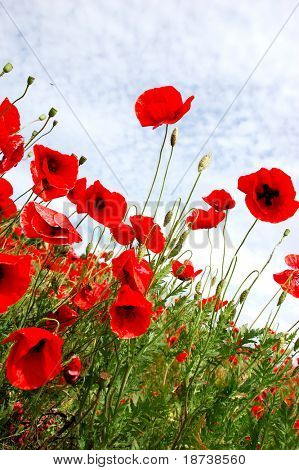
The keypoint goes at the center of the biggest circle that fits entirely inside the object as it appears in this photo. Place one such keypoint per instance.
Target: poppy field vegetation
(130, 344)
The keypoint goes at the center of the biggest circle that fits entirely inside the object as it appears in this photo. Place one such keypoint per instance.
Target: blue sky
(91, 60)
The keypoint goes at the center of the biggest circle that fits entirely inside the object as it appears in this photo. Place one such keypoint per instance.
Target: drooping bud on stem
(174, 137)
(220, 287)
(42, 117)
(141, 252)
(204, 162)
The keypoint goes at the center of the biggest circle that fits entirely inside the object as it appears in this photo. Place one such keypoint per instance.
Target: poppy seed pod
(30, 80)
(204, 162)
(82, 160)
(7, 68)
(174, 137)
(52, 112)
(287, 232)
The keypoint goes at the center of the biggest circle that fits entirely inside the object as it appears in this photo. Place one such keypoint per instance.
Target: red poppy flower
(220, 200)
(7, 206)
(127, 269)
(66, 317)
(34, 359)
(215, 302)
(53, 173)
(52, 227)
(270, 195)
(289, 279)
(182, 356)
(257, 411)
(296, 426)
(200, 218)
(14, 279)
(162, 105)
(72, 370)
(148, 233)
(11, 144)
(234, 360)
(91, 294)
(77, 195)
(130, 314)
(123, 234)
(184, 271)
(105, 207)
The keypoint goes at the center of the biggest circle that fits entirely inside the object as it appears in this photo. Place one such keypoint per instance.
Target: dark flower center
(52, 165)
(1, 271)
(54, 231)
(127, 311)
(39, 346)
(267, 194)
(99, 204)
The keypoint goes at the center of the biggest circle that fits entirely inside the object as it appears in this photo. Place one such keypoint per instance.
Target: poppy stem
(157, 170)
(164, 180)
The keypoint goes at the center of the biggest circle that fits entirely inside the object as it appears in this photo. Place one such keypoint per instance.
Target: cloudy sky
(91, 59)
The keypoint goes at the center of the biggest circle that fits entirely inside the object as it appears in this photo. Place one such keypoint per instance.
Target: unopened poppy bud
(109, 255)
(167, 218)
(204, 162)
(141, 252)
(55, 123)
(198, 288)
(30, 80)
(174, 137)
(82, 160)
(88, 248)
(52, 112)
(213, 280)
(7, 68)
(180, 270)
(281, 298)
(42, 117)
(34, 133)
(287, 232)
(243, 296)
(175, 250)
(220, 287)
(183, 237)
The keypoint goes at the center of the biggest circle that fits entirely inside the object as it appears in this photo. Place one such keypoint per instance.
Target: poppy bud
(204, 162)
(82, 160)
(109, 255)
(141, 252)
(183, 237)
(213, 280)
(243, 296)
(167, 218)
(34, 133)
(175, 250)
(174, 137)
(52, 112)
(198, 287)
(220, 287)
(88, 248)
(7, 68)
(281, 298)
(287, 232)
(55, 123)
(30, 80)
(42, 117)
